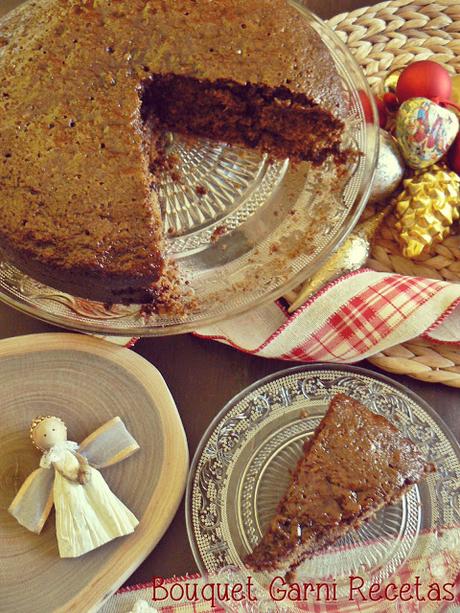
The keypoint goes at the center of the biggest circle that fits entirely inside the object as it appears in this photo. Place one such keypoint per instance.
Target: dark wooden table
(203, 376)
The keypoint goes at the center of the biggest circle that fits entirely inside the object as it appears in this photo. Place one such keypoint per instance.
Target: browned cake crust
(77, 208)
(355, 463)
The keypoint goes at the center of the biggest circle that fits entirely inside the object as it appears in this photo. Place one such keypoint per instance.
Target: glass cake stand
(241, 470)
(242, 229)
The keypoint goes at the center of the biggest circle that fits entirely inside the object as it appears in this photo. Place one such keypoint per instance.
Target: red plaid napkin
(438, 570)
(350, 319)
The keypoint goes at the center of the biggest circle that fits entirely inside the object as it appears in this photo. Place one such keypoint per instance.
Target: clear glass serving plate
(241, 470)
(242, 229)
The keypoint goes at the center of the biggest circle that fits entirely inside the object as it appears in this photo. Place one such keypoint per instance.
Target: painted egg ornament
(390, 168)
(424, 79)
(425, 131)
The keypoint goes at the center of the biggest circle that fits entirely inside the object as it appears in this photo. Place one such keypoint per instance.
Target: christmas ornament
(453, 157)
(88, 514)
(368, 111)
(367, 106)
(390, 168)
(425, 131)
(382, 111)
(425, 79)
(391, 81)
(426, 209)
(455, 96)
(391, 102)
(352, 255)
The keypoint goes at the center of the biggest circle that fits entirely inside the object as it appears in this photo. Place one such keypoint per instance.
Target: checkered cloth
(138, 599)
(350, 319)
(439, 565)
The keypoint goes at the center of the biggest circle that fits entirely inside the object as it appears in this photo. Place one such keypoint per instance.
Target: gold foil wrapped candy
(350, 256)
(391, 81)
(427, 208)
(456, 89)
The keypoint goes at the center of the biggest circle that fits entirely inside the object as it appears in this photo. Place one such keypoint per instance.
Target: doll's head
(46, 432)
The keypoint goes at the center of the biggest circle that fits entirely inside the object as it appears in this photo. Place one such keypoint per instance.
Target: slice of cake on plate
(355, 463)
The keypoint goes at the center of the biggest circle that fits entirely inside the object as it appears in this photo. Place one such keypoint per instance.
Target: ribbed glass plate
(241, 229)
(241, 470)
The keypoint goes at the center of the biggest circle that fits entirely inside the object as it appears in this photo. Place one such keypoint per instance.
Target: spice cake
(355, 463)
(86, 85)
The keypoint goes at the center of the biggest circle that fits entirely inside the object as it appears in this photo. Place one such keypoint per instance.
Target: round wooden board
(86, 382)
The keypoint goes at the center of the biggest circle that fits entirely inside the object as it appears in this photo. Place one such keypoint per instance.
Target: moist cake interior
(274, 120)
(79, 208)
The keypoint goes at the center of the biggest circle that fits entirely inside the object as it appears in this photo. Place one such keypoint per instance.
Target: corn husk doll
(88, 514)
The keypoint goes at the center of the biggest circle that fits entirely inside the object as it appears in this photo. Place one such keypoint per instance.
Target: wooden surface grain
(203, 376)
(86, 383)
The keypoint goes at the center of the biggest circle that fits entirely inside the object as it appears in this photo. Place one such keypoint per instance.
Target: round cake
(87, 85)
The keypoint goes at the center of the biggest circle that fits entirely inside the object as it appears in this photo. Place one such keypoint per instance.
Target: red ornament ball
(425, 79)
(453, 156)
(391, 102)
(383, 115)
(367, 108)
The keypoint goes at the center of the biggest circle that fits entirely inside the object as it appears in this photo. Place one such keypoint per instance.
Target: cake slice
(356, 463)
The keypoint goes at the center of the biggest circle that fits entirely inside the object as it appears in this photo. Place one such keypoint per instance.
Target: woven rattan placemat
(383, 38)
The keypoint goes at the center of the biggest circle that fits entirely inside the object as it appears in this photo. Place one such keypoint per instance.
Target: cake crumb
(200, 190)
(218, 232)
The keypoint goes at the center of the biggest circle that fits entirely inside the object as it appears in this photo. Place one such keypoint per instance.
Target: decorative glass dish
(253, 230)
(241, 470)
